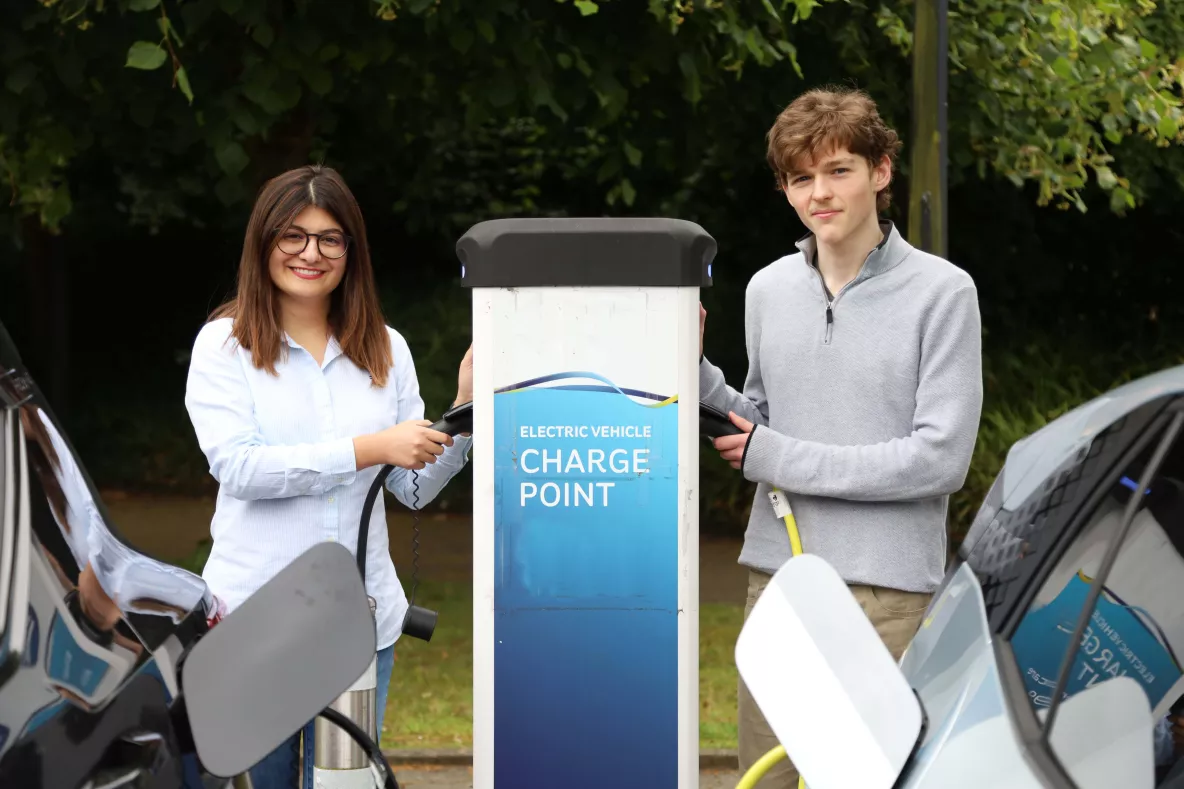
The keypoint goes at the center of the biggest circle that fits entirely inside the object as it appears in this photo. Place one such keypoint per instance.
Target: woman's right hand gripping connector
(412, 444)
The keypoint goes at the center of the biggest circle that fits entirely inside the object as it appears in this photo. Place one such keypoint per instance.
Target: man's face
(835, 195)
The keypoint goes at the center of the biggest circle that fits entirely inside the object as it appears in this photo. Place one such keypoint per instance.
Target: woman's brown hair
(355, 314)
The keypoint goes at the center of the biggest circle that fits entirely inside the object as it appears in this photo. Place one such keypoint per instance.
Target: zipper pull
(830, 319)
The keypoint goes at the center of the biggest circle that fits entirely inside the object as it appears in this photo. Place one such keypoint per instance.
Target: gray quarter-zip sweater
(867, 408)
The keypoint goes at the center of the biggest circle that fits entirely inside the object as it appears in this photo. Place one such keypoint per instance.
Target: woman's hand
(702, 326)
(464, 379)
(464, 382)
(410, 445)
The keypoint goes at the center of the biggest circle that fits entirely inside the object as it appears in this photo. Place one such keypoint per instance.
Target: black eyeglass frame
(345, 247)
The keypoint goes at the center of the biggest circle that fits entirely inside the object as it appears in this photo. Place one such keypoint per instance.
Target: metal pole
(339, 762)
(928, 216)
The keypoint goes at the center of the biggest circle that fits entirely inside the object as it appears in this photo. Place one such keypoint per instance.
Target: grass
(430, 704)
(719, 626)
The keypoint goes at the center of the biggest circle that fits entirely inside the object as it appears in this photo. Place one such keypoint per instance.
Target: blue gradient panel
(586, 591)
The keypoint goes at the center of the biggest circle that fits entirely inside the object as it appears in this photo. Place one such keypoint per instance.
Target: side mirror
(276, 661)
(1103, 735)
(825, 682)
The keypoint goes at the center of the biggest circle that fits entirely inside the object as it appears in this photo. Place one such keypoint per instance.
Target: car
(117, 668)
(1050, 654)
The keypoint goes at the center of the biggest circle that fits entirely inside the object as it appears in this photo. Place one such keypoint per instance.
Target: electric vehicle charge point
(585, 501)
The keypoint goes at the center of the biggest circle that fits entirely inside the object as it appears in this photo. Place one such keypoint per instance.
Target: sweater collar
(886, 255)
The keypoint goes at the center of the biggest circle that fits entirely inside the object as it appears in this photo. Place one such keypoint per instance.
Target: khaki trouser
(896, 616)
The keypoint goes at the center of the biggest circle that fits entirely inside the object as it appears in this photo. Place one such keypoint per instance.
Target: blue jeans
(278, 769)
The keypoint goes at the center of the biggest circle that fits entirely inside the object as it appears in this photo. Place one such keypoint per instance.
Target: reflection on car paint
(32, 639)
(42, 716)
(69, 665)
(96, 606)
(1121, 640)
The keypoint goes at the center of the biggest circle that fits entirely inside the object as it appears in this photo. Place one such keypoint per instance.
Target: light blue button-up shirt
(281, 448)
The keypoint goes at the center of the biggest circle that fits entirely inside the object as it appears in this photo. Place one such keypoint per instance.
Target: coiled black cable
(364, 525)
(414, 537)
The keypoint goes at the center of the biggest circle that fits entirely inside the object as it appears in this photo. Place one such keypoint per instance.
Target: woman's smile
(307, 273)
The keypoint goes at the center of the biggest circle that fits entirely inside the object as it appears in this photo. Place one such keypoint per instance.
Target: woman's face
(302, 264)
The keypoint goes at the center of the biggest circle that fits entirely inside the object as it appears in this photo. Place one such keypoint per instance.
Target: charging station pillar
(586, 475)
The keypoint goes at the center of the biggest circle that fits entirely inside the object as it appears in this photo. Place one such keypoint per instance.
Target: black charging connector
(419, 622)
(714, 423)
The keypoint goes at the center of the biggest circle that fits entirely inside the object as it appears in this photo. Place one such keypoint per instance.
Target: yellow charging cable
(765, 763)
(762, 766)
(791, 526)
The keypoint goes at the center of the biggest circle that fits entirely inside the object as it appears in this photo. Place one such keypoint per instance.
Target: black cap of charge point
(601, 251)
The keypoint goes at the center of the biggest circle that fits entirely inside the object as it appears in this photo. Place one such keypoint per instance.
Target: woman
(298, 393)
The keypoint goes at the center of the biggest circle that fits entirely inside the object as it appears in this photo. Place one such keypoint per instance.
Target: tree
(1054, 86)
(188, 100)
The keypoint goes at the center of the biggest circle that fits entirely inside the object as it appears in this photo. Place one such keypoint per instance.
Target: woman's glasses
(332, 244)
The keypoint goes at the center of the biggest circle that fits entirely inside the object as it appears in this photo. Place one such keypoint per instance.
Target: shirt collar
(332, 350)
(886, 255)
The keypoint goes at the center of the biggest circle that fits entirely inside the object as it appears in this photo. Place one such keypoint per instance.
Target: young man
(864, 386)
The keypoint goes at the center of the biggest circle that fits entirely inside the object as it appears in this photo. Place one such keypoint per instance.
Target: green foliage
(197, 101)
(271, 88)
(1025, 389)
(1063, 82)
(146, 55)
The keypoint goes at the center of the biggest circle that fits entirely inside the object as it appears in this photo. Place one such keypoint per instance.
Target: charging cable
(762, 766)
(350, 727)
(418, 622)
(414, 539)
(782, 510)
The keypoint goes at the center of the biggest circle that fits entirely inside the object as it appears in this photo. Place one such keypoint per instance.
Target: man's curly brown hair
(823, 119)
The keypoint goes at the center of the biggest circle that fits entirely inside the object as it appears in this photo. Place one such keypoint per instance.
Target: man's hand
(731, 448)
